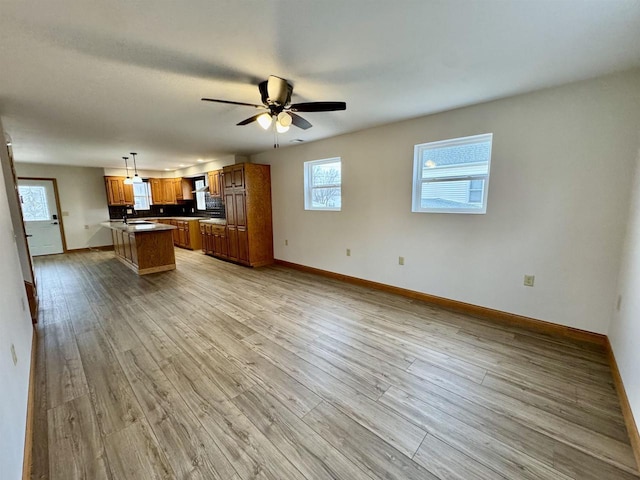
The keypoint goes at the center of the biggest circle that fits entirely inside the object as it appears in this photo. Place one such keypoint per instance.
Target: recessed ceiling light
(200, 160)
(296, 140)
(167, 169)
(182, 165)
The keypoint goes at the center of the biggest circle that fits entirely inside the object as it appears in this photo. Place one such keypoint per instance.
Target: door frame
(55, 192)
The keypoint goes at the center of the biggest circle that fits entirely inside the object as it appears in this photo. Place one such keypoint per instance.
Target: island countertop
(137, 227)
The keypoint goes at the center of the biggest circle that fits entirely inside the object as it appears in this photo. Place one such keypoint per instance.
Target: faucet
(124, 218)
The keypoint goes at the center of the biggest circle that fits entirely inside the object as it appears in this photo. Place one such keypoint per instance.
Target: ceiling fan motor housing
(275, 91)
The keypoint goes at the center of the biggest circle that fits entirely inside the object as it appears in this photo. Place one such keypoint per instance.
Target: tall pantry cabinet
(247, 198)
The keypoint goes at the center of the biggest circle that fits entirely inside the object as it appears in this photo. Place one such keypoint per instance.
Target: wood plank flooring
(215, 371)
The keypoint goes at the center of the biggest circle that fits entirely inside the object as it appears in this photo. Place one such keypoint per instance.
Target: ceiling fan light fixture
(284, 119)
(281, 128)
(265, 120)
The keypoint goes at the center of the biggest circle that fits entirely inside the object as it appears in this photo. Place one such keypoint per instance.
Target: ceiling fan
(275, 93)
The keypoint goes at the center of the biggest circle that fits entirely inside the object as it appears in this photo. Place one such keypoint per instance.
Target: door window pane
(34, 203)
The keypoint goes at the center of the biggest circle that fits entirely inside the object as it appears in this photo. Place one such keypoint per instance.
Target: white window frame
(147, 196)
(201, 198)
(308, 189)
(418, 181)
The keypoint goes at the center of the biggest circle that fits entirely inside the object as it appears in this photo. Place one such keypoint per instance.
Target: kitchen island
(144, 247)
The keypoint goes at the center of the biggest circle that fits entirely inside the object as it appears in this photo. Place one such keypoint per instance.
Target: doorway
(41, 215)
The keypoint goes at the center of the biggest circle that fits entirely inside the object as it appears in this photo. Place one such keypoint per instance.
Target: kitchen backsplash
(185, 209)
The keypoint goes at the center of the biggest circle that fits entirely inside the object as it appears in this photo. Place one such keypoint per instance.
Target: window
(141, 196)
(323, 184)
(200, 196)
(452, 176)
(33, 200)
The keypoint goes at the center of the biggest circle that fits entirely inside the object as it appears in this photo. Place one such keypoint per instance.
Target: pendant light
(128, 180)
(136, 177)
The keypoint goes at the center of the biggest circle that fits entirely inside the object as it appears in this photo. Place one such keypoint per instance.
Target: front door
(41, 216)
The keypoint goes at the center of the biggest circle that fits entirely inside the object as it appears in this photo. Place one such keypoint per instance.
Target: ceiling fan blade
(249, 120)
(299, 122)
(318, 106)
(232, 103)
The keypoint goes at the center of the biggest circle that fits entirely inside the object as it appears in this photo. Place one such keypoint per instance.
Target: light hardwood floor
(216, 371)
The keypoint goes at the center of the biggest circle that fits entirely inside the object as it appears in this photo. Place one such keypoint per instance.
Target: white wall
(557, 205)
(624, 333)
(16, 330)
(82, 194)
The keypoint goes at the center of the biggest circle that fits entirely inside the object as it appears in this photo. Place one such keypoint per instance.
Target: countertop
(215, 221)
(137, 228)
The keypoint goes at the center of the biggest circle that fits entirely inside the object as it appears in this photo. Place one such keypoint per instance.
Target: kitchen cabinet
(215, 183)
(177, 188)
(117, 192)
(234, 175)
(176, 237)
(186, 234)
(247, 196)
(203, 235)
(214, 240)
(167, 191)
(220, 245)
(157, 191)
(183, 189)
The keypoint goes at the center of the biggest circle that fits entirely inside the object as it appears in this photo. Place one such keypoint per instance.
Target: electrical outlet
(400, 260)
(13, 354)
(528, 280)
(129, 211)
(162, 210)
(619, 303)
(348, 252)
(286, 242)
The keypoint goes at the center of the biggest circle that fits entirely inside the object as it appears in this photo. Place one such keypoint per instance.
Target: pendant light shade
(128, 180)
(136, 177)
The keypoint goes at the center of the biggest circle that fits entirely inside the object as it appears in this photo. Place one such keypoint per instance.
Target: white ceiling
(84, 82)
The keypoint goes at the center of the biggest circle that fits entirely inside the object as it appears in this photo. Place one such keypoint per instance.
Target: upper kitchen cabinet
(216, 187)
(163, 191)
(234, 176)
(117, 192)
(157, 190)
(169, 192)
(247, 194)
(183, 189)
